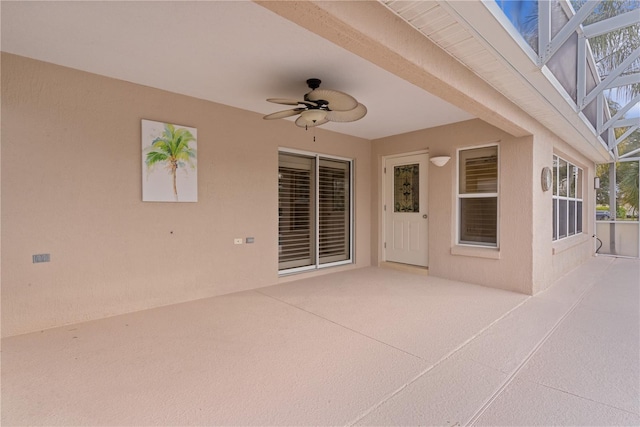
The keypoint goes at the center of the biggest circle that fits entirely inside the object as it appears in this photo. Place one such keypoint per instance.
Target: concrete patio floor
(371, 346)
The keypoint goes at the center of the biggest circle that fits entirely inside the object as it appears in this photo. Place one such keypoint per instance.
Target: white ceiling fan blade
(285, 101)
(283, 114)
(347, 116)
(336, 101)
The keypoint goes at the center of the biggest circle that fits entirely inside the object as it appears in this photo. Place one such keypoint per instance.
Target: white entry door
(405, 210)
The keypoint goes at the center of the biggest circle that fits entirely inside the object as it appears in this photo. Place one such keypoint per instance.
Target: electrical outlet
(41, 258)
(237, 241)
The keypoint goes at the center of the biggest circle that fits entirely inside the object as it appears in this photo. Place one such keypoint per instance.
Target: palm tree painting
(169, 160)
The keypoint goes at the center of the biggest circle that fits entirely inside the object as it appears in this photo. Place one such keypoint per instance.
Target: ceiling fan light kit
(320, 106)
(313, 115)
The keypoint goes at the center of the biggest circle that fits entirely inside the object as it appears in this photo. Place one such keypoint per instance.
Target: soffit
(472, 35)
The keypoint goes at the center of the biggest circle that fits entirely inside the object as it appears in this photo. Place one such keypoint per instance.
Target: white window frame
(460, 196)
(316, 265)
(555, 195)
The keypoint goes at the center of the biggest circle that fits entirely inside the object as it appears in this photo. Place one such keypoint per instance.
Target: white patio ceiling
(239, 53)
(236, 53)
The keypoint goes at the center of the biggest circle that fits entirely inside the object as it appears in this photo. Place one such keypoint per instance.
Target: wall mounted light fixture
(546, 178)
(440, 160)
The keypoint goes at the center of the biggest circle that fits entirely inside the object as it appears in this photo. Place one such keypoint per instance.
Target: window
(314, 203)
(567, 199)
(478, 196)
(523, 14)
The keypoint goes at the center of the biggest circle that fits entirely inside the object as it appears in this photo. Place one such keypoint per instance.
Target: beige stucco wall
(569, 253)
(363, 29)
(511, 266)
(71, 187)
(554, 259)
(528, 261)
(542, 227)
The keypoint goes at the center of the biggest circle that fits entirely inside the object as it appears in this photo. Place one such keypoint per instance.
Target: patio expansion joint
(507, 381)
(583, 397)
(340, 325)
(439, 362)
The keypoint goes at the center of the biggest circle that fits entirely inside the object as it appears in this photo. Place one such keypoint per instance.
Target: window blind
(479, 219)
(295, 212)
(334, 211)
(479, 174)
(478, 196)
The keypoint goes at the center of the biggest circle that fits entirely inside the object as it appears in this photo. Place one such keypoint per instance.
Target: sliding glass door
(314, 202)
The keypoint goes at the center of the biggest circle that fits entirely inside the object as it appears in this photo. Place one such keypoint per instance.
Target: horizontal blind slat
(333, 205)
(294, 201)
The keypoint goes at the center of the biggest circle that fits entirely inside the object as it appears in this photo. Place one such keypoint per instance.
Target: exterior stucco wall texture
(513, 269)
(554, 259)
(569, 253)
(362, 28)
(528, 261)
(71, 187)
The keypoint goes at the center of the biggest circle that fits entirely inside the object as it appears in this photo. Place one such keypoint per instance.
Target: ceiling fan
(320, 106)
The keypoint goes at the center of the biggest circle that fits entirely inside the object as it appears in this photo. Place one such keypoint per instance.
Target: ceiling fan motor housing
(321, 103)
(314, 83)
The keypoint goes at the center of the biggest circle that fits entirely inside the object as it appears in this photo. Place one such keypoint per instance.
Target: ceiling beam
(609, 79)
(372, 31)
(629, 79)
(611, 24)
(630, 153)
(547, 51)
(625, 123)
(619, 114)
(626, 134)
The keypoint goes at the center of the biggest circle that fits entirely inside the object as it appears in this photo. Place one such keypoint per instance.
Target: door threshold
(416, 269)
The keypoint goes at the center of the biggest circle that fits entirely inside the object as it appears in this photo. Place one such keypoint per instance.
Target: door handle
(424, 216)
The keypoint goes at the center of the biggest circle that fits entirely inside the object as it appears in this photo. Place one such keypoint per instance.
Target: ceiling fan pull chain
(306, 128)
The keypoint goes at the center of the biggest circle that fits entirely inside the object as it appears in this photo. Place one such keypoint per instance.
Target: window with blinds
(314, 203)
(296, 230)
(478, 196)
(334, 211)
